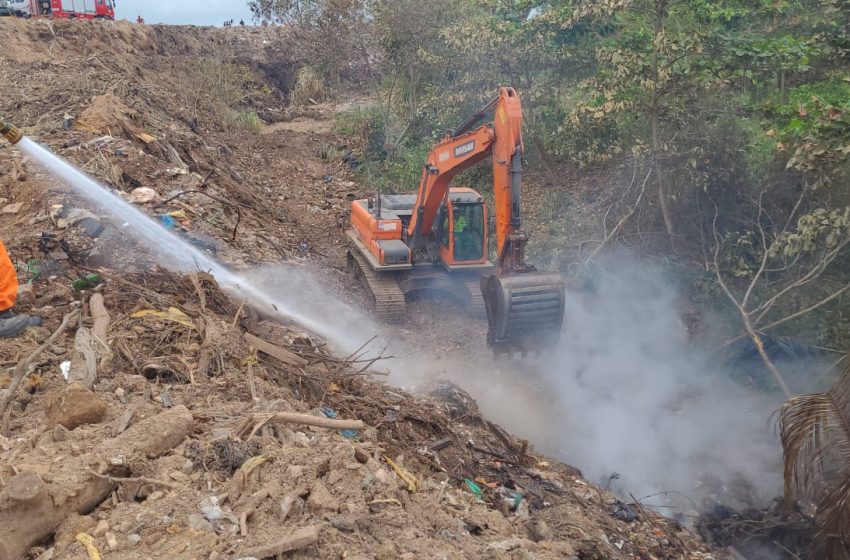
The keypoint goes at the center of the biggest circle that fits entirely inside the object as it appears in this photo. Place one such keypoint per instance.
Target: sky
(194, 12)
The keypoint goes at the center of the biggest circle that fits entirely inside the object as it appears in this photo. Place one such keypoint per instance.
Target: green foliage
(366, 126)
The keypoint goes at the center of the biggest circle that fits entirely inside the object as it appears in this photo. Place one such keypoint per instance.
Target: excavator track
(475, 297)
(390, 306)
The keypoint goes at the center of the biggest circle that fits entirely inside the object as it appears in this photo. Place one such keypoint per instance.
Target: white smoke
(639, 400)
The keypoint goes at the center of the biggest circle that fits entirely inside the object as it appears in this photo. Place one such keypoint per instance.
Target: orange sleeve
(8, 280)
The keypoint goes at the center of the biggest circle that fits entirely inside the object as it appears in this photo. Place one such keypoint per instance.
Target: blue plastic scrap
(331, 413)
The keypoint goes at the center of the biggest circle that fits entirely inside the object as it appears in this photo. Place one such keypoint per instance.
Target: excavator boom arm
(461, 150)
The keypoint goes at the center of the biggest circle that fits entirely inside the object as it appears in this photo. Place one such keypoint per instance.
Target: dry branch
(317, 421)
(299, 539)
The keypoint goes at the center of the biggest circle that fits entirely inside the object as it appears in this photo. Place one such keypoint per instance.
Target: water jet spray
(177, 254)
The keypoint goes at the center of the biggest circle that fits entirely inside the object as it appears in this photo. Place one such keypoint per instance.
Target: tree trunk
(655, 106)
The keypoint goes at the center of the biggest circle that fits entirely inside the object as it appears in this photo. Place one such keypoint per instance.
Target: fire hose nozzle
(10, 132)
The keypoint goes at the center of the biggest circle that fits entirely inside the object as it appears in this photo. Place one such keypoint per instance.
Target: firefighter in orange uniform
(11, 324)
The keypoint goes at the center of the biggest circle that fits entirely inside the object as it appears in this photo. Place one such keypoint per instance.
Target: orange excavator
(437, 240)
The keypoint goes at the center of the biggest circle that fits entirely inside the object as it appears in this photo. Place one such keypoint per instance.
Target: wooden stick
(297, 540)
(23, 365)
(83, 359)
(317, 421)
(100, 316)
(275, 351)
(140, 479)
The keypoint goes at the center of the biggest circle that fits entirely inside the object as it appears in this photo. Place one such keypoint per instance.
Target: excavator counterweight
(437, 239)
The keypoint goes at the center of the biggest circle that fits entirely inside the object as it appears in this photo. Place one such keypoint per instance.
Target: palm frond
(833, 523)
(815, 434)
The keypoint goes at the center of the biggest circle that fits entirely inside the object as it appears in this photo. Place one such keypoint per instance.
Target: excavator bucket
(524, 311)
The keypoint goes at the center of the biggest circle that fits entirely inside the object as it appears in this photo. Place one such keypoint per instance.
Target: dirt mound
(105, 113)
(208, 431)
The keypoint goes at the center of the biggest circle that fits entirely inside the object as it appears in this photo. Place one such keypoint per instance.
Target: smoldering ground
(629, 398)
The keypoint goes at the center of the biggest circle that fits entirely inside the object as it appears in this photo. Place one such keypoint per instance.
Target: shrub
(245, 120)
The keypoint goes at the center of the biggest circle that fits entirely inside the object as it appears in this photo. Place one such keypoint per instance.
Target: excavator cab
(463, 230)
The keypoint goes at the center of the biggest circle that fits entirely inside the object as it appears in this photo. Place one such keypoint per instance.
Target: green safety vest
(460, 224)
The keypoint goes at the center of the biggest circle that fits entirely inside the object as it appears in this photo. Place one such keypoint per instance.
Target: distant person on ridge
(11, 325)
(140, 20)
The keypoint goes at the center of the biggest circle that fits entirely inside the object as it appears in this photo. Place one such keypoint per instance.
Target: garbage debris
(223, 521)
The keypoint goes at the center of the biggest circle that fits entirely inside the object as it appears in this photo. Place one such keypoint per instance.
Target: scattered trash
(331, 413)
(172, 314)
(474, 488)
(223, 521)
(168, 221)
(65, 369)
(88, 541)
(622, 511)
(409, 479)
(253, 463)
(166, 399)
(87, 282)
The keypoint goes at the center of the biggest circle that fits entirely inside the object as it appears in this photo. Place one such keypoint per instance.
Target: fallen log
(31, 509)
(298, 540)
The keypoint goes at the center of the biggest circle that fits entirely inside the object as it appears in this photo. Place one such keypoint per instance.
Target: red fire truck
(67, 9)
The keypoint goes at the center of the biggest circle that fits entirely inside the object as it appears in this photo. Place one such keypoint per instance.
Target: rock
(294, 472)
(101, 529)
(96, 258)
(111, 541)
(134, 539)
(91, 226)
(154, 496)
(41, 470)
(143, 195)
(75, 406)
(300, 438)
(26, 294)
(73, 525)
(504, 546)
(321, 500)
(538, 530)
(13, 208)
(361, 455)
(382, 475)
(60, 433)
(345, 522)
(199, 523)
(25, 487)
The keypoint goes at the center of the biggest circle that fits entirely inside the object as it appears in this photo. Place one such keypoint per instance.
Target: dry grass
(310, 87)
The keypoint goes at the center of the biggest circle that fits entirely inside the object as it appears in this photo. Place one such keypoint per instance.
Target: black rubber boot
(12, 325)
